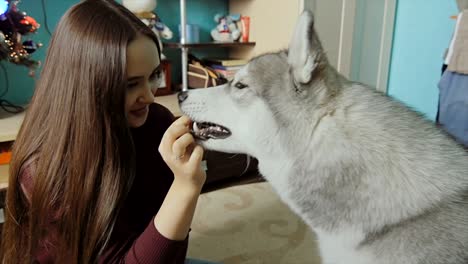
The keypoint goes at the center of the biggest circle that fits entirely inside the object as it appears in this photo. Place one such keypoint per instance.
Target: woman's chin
(137, 118)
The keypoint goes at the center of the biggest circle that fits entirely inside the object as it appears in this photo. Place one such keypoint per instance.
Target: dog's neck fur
(326, 151)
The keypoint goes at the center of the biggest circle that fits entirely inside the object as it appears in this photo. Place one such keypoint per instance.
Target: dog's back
(397, 185)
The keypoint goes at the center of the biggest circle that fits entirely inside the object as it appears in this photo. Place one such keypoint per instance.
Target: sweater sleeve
(152, 247)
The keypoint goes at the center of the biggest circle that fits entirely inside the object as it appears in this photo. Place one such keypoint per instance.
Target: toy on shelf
(144, 10)
(227, 29)
(15, 26)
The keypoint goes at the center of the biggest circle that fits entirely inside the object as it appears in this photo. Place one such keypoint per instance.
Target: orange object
(27, 20)
(5, 158)
(454, 17)
(245, 21)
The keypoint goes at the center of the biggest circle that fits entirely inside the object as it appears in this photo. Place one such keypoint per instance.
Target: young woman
(101, 174)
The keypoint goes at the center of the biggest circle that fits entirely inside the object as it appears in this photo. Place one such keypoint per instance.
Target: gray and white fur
(376, 181)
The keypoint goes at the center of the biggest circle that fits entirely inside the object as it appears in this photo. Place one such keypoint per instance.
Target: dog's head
(271, 91)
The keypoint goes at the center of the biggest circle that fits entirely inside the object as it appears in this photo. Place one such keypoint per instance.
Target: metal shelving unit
(184, 46)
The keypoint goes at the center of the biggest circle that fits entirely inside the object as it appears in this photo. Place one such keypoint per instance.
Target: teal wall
(21, 85)
(200, 12)
(423, 30)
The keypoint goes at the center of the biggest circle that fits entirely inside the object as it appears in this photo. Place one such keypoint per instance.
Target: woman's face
(144, 75)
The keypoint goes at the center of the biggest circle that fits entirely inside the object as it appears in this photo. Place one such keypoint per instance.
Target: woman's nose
(147, 97)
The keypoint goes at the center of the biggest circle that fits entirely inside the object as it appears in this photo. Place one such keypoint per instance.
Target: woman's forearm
(176, 213)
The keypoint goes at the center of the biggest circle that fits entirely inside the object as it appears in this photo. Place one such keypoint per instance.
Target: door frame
(347, 34)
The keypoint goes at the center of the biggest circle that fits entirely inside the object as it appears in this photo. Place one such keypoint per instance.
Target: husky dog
(377, 182)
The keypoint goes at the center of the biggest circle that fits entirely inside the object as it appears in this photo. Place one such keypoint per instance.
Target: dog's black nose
(182, 96)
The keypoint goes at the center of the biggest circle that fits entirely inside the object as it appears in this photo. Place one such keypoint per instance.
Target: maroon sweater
(134, 238)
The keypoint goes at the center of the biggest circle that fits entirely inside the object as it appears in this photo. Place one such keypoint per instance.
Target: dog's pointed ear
(305, 49)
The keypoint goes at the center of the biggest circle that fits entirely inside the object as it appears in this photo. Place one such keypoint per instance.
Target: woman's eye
(240, 85)
(156, 75)
(132, 85)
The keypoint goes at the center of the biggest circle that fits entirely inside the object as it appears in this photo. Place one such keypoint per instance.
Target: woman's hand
(183, 156)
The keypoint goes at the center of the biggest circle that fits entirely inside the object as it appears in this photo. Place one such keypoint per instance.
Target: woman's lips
(140, 112)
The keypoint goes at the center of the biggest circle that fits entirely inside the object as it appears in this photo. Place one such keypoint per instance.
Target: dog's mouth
(206, 130)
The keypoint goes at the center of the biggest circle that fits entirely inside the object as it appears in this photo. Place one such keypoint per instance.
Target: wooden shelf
(4, 176)
(177, 45)
(10, 125)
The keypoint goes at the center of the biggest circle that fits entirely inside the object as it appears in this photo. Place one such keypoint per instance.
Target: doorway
(357, 36)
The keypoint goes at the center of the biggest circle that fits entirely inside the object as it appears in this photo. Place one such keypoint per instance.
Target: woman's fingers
(183, 120)
(180, 148)
(176, 130)
(197, 156)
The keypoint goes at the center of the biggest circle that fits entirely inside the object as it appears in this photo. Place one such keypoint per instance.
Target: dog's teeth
(196, 129)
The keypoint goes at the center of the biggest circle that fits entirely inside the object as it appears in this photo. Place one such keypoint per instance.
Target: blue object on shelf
(192, 33)
(3, 7)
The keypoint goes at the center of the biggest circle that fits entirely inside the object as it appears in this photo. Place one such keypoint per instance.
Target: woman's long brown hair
(75, 133)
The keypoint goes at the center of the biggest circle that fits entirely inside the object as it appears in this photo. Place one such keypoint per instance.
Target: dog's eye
(240, 85)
